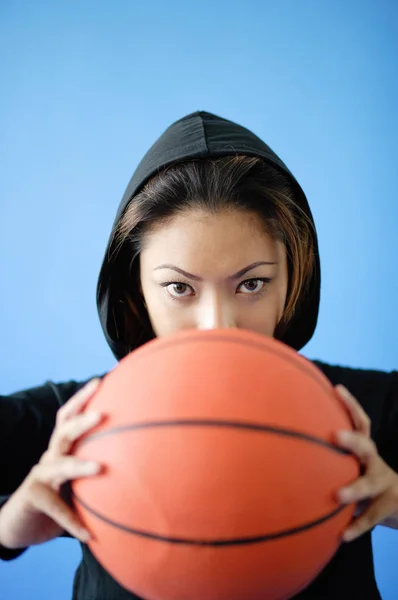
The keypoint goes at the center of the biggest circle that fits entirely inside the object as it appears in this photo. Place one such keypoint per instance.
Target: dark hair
(239, 183)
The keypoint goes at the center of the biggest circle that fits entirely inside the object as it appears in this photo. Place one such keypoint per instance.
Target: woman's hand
(35, 512)
(376, 490)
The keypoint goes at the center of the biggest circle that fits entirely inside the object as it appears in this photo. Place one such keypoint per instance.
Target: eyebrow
(231, 277)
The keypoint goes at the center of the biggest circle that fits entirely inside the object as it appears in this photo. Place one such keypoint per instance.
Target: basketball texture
(219, 471)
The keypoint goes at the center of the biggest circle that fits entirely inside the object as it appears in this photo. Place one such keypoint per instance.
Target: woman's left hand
(376, 490)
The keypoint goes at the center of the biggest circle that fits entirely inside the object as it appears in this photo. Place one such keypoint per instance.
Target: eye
(178, 289)
(255, 285)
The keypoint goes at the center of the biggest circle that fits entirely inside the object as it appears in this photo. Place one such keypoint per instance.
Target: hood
(204, 135)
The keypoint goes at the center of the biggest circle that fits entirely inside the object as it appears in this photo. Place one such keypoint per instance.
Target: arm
(27, 420)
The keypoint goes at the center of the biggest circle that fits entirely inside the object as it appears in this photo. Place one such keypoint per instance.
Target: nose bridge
(217, 312)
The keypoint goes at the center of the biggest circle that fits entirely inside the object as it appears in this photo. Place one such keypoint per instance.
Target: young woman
(213, 231)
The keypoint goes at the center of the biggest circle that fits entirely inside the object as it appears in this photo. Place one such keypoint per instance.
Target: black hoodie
(203, 135)
(27, 418)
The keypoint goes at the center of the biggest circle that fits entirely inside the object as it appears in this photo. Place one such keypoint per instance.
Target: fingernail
(92, 383)
(343, 391)
(349, 535)
(93, 416)
(344, 495)
(344, 436)
(92, 467)
(84, 535)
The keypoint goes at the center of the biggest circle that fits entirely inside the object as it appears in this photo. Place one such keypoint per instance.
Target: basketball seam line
(213, 543)
(254, 427)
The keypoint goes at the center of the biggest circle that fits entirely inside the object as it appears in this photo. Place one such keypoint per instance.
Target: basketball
(220, 470)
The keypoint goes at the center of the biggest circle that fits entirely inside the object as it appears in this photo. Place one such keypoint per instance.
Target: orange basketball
(220, 470)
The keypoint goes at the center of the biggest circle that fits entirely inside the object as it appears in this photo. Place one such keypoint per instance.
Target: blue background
(86, 87)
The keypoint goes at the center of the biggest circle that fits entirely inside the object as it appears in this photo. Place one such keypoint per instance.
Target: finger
(66, 434)
(379, 510)
(361, 421)
(363, 488)
(64, 469)
(77, 403)
(48, 502)
(363, 447)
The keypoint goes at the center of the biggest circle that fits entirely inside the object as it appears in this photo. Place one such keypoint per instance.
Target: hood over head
(204, 135)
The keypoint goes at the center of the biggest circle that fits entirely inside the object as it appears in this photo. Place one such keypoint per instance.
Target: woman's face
(206, 271)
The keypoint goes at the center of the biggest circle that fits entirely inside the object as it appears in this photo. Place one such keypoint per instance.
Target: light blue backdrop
(86, 87)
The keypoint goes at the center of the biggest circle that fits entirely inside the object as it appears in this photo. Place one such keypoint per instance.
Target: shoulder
(368, 381)
(50, 393)
(34, 409)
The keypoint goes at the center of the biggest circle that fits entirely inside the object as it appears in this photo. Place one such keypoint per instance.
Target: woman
(213, 231)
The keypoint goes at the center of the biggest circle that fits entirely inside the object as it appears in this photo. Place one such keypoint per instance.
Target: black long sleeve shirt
(27, 420)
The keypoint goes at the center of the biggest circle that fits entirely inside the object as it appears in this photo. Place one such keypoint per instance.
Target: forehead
(196, 240)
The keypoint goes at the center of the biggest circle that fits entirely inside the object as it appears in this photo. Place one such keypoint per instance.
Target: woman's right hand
(35, 512)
